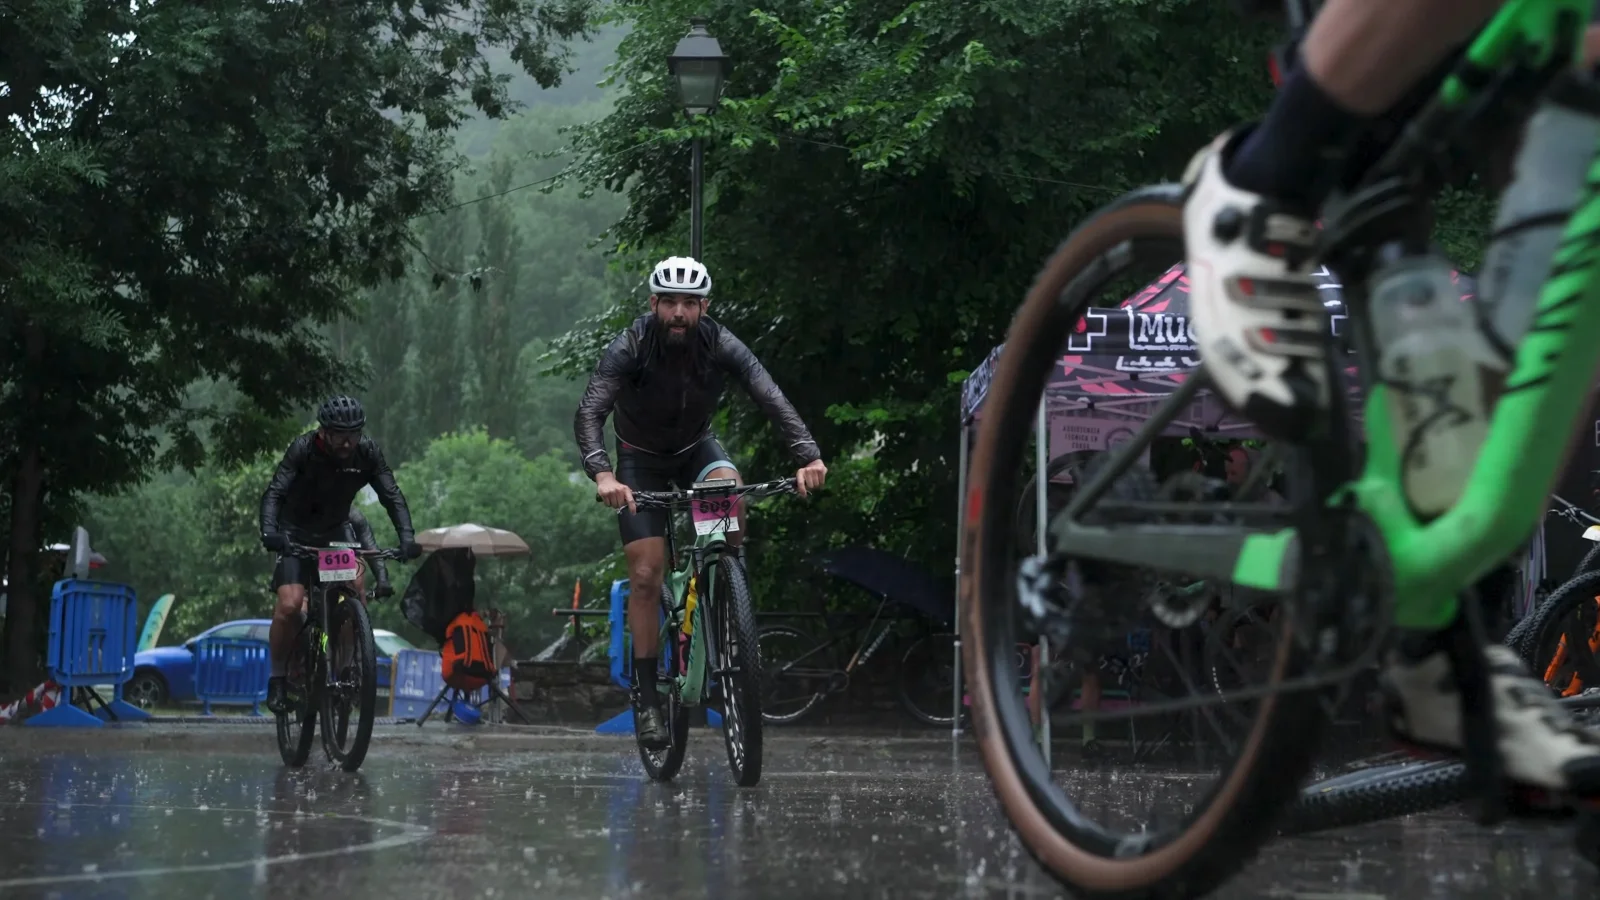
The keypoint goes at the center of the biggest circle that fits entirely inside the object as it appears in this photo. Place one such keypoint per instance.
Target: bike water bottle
(1551, 167)
(1435, 364)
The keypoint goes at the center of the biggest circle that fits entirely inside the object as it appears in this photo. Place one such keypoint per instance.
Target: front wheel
(298, 726)
(739, 667)
(1182, 846)
(663, 764)
(353, 693)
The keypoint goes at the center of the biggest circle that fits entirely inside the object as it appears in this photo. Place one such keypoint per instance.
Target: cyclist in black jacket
(662, 378)
(308, 502)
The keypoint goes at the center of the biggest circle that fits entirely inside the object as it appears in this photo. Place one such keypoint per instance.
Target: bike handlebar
(304, 552)
(1571, 510)
(668, 499)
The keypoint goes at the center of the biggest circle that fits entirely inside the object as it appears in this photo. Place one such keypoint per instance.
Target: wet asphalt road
(833, 818)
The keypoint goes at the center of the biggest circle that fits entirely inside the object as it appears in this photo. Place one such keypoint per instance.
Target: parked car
(165, 675)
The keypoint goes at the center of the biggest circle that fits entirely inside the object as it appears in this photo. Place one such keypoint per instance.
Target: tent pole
(1041, 492)
(961, 516)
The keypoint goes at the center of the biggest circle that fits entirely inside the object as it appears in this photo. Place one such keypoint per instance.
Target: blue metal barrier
(621, 653)
(231, 671)
(417, 680)
(93, 636)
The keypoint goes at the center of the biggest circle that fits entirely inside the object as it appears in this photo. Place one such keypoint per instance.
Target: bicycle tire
(365, 662)
(1589, 563)
(297, 728)
(773, 677)
(1372, 795)
(1237, 817)
(740, 657)
(1544, 623)
(663, 765)
(908, 669)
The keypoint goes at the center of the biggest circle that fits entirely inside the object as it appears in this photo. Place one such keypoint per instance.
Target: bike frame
(1546, 391)
(318, 601)
(704, 557)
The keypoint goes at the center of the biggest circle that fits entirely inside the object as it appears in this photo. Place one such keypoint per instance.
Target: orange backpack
(464, 659)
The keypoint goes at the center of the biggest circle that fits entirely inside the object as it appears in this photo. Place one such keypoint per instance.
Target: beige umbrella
(481, 540)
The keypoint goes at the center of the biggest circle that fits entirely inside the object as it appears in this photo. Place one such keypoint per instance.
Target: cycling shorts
(646, 471)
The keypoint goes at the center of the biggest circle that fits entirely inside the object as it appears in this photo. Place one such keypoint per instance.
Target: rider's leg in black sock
(644, 678)
(1287, 156)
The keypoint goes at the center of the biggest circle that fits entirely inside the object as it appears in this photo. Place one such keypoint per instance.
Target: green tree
(454, 345)
(472, 477)
(883, 181)
(186, 190)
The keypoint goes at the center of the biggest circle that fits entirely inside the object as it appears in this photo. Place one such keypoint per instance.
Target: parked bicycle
(708, 589)
(332, 667)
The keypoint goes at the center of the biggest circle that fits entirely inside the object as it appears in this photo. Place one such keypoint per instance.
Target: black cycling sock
(644, 677)
(1290, 156)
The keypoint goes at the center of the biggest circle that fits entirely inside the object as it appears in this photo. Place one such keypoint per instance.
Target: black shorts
(646, 471)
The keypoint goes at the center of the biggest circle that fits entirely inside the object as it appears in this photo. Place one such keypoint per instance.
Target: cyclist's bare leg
(286, 618)
(1365, 54)
(647, 564)
(736, 538)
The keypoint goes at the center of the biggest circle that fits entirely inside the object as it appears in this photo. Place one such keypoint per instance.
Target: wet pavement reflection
(826, 822)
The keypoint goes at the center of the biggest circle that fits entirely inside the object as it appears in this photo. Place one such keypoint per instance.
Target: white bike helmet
(680, 275)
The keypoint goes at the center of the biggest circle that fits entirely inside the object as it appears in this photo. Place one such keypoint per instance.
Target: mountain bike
(708, 589)
(1347, 559)
(332, 679)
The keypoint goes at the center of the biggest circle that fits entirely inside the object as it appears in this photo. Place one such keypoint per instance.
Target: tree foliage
(190, 190)
(883, 181)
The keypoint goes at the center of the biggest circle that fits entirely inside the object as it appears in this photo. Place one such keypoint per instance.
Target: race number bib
(338, 565)
(715, 515)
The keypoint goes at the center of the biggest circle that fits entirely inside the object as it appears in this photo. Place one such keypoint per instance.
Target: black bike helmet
(341, 413)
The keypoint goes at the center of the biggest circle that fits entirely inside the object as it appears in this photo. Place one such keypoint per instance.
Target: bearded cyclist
(308, 502)
(1260, 323)
(663, 378)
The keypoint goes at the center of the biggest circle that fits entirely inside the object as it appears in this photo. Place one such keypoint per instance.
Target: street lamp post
(699, 67)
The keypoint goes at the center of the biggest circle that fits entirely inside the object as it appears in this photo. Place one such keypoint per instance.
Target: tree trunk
(22, 650)
(21, 573)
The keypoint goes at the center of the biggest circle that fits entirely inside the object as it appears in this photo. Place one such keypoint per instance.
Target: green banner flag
(153, 622)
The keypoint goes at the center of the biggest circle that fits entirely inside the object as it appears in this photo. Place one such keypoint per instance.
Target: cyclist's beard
(678, 341)
(683, 351)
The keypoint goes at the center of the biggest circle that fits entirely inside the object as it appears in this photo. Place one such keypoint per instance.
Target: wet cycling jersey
(664, 400)
(309, 497)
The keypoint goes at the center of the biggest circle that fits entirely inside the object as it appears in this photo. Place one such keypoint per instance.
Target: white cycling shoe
(1540, 743)
(1258, 316)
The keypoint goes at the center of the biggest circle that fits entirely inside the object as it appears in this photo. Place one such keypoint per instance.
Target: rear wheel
(663, 764)
(927, 679)
(297, 727)
(350, 702)
(1188, 846)
(739, 661)
(797, 674)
